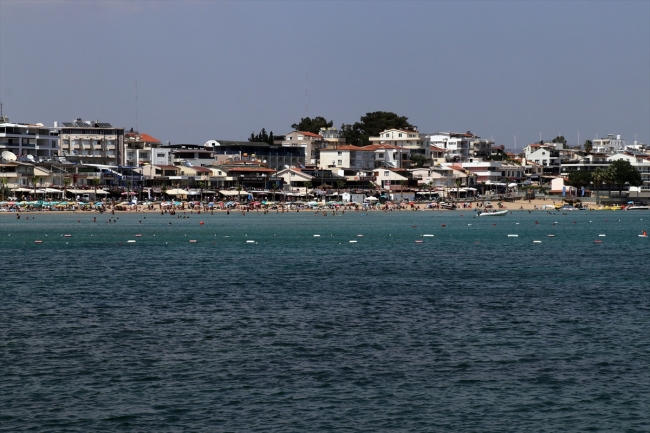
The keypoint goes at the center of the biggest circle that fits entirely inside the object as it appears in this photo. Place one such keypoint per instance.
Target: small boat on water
(493, 213)
(637, 207)
(450, 206)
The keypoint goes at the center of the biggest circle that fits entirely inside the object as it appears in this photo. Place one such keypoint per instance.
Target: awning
(233, 193)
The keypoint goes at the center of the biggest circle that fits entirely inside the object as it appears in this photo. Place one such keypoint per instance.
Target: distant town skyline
(189, 72)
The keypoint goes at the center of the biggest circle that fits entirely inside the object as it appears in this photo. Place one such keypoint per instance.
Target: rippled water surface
(261, 326)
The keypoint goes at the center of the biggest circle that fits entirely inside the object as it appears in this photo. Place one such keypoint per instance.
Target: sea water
(260, 325)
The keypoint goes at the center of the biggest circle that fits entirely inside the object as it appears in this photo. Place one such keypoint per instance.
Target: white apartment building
(388, 155)
(494, 172)
(347, 157)
(139, 148)
(91, 142)
(461, 146)
(414, 141)
(28, 142)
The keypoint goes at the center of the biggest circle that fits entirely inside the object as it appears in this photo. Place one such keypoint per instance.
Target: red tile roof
(144, 137)
(347, 147)
(252, 169)
(309, 134)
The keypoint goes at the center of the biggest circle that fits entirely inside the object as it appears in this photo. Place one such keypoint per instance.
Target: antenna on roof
(306, 94)
(136, 105)
(515, 140)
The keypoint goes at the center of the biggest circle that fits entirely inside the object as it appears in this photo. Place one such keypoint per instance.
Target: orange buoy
(201, 223)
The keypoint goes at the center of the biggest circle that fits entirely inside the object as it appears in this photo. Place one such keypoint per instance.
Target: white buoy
(250, 242)
(316, 236)
(131, 241)
(513, 236)
(192, 241)
(353, 242)
(602, 236)
(537, 242)
(427, 236)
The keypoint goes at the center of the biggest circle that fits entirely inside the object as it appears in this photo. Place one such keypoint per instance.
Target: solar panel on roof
(68, 124)
(103, 125)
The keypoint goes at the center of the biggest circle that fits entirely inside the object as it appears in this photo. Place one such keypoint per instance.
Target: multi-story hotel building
(91, 142)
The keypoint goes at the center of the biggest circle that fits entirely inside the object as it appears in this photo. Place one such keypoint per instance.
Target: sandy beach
(527, 205)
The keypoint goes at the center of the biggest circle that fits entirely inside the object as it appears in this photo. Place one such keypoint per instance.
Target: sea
(404, 321)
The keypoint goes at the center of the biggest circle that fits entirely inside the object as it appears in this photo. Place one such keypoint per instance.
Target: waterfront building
(347, 157)
(139, 148)
(91, 142)
(311, 143)
(460, 147)
(412, 140)
(547, 155)
(273, 156)
(29, 142)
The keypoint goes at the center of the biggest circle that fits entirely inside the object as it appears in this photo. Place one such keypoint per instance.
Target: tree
(579, 178)
(308, 186)
(262, 137)
(314, 125)
(274, 187)
(96, 184)
(66, 183)
(589, 146)
(418, 159)
(202, 184)
(622, 172)
(4, 181)
(371, 125)
(559, 139)
(599, 176)
(339, 184)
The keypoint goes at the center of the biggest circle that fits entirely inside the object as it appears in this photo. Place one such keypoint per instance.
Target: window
(387, 173)
(340, 153)
(399, 135)
(340, 162)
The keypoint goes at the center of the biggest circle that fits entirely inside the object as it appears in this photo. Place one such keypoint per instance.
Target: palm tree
(66, 183)
(163, 190)
(274, 187)
(34, 179)
(589, 146)
(239, 188)
(3, 181)
(96, 184)
(339, 184)
(483, 188)
(202, 184)
(599, 176)
(458, 184)
(308, 186)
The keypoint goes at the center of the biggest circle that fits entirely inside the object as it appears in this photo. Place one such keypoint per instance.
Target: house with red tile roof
(311, 142)
(138, 148)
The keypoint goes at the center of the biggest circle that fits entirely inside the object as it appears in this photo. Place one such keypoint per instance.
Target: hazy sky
(223, 69)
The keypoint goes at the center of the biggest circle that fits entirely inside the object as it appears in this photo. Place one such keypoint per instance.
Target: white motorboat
(493, 213)
(637, 207)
